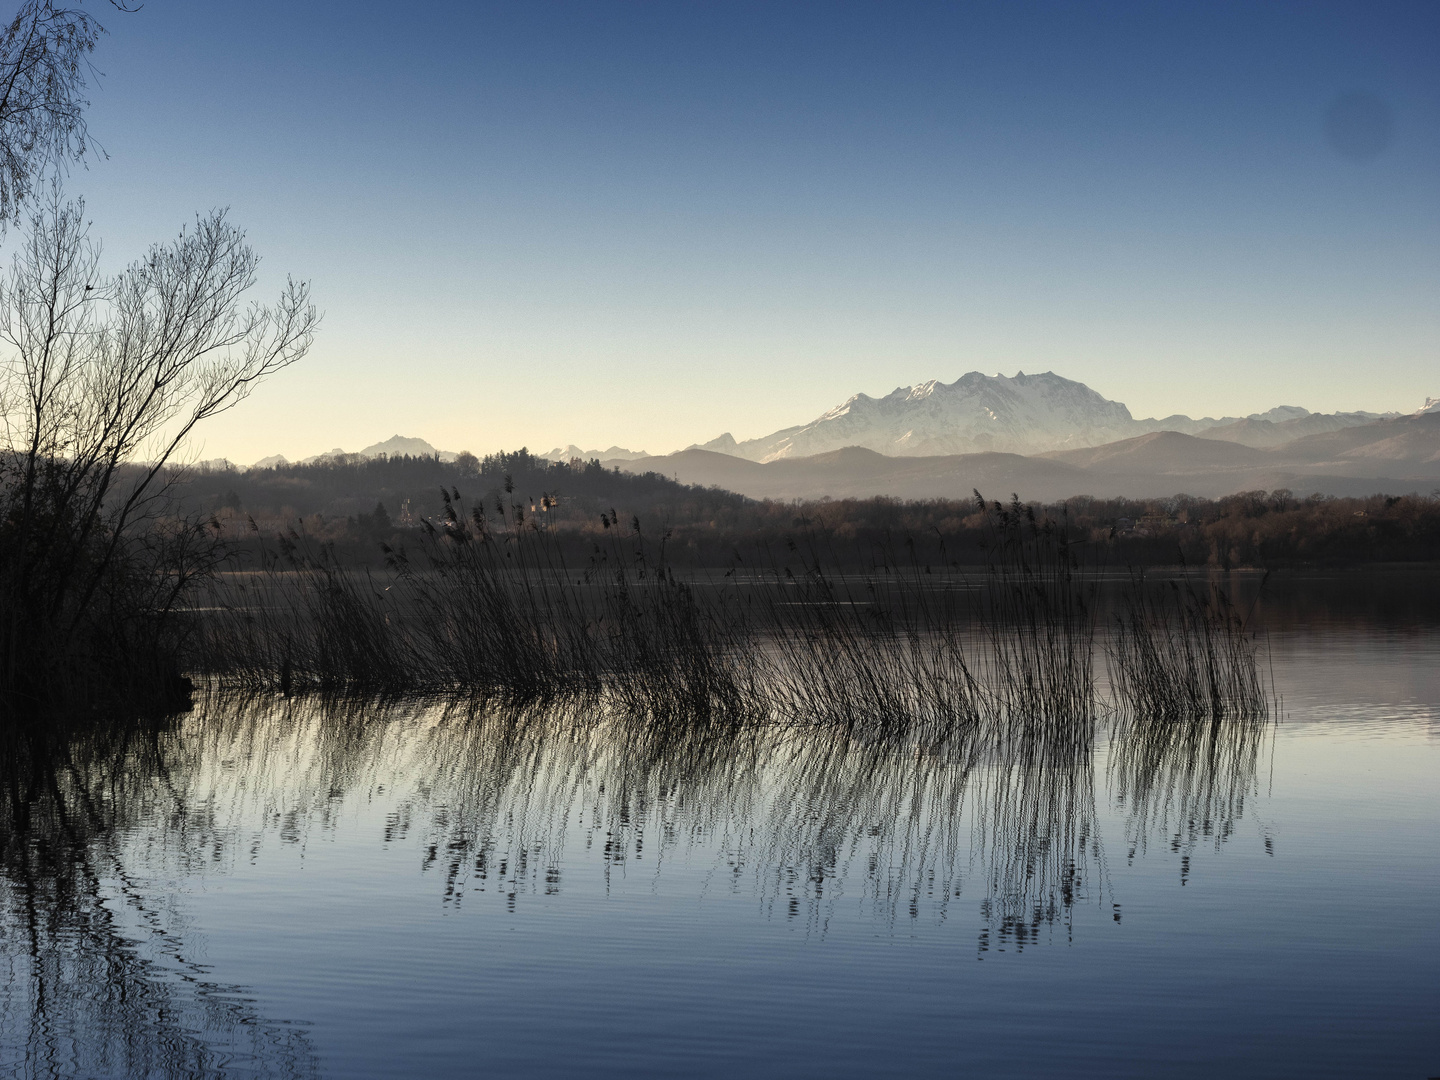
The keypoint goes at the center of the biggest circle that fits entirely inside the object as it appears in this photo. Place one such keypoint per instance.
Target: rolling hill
(1394, 456)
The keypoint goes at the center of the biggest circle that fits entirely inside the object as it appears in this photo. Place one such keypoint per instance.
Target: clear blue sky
(647, 223)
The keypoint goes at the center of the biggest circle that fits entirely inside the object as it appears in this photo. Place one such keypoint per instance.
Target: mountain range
(1044, 436)
(1392, 455)
(571, 452)
(395, 446)
(1023, 414)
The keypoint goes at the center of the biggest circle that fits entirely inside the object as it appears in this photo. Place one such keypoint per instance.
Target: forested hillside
(354, 505)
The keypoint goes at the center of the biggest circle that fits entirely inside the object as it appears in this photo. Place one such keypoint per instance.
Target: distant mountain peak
(405, 446)
(1281, 413)
(1021, 413)
(723, 444)
(395, 446)
(571, 452)
(977, 412)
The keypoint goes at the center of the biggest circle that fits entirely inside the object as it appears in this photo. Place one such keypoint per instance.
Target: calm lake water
(285, 888)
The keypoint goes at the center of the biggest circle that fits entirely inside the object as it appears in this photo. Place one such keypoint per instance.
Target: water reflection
(1037, 831)
(504, 803)
(493, 796)
(1187, 782)
(100, 976)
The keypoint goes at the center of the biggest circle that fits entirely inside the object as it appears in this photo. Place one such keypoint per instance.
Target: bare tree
(101, 383)
(44, 71)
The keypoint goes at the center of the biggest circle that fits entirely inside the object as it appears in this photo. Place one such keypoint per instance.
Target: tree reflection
(100, 976)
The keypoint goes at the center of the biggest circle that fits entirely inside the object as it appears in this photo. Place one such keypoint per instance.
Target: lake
(278, 887)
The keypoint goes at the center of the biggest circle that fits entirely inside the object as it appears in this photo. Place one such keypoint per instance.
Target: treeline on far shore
(357, 508)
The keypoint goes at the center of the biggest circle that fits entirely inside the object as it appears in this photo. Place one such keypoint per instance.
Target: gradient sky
(648, 223)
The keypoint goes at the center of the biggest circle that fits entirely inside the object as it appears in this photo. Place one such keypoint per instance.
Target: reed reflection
(506, 803)
(101, 978)
(1192, 717)
(493, 796)
(1187, 781)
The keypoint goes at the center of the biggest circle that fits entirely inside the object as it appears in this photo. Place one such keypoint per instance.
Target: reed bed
(488, 607)
(883, 659)
(1192, 713)
(1184, 652)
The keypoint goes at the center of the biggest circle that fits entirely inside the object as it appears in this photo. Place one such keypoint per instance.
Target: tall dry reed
(486, 605)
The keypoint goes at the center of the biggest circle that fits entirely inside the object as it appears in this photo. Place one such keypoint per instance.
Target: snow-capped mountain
(405, 446)
(571, 452)
(1023, 414)
(395, 446)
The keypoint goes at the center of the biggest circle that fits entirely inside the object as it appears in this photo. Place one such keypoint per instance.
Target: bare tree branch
(102, 381)
(45, 69)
